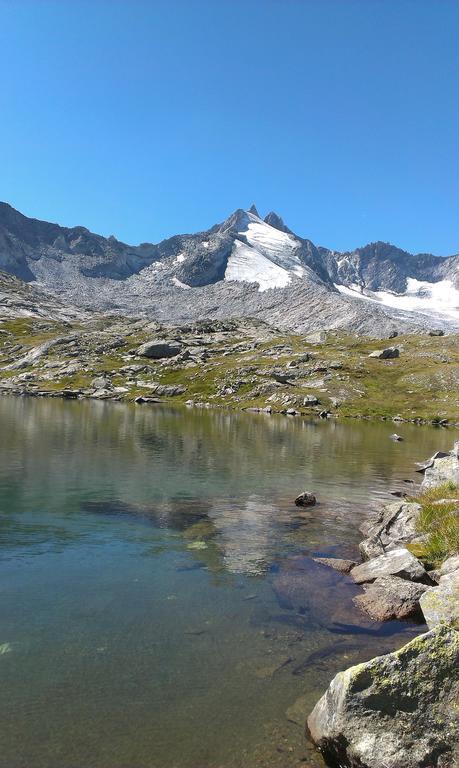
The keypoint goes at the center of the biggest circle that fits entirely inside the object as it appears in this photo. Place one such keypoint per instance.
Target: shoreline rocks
(388, 712)
(399, 710)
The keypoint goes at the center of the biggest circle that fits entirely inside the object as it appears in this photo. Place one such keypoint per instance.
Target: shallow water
(159, 607)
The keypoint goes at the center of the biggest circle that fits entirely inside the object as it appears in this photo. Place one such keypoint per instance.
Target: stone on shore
(158, 349)
(391, 597)
(394, 525)
(396, 562)
(443, 469)
(338, 563)
(395, 711)
(440, 605)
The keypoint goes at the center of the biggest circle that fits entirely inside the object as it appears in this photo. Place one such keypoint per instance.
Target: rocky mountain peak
(253, 209)
(276, 221)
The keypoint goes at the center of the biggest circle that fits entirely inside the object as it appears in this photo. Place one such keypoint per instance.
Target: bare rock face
(390, 597)
(440, 605)
(395, 711)
(397, 562)
(158, 349)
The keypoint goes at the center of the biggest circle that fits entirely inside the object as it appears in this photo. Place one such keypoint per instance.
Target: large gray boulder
(443, 469)
(385, 354)
(390, 597)
(395, 711)
(394, 525)
(440, 605)
(397, 562)
(158, 349)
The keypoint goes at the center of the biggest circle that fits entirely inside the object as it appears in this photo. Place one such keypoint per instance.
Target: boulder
(338, 563)
(158, 349)
(397, 562)
(450, 565)
(390, 597)
(442, 470)
(310, 400)
(440, 605)
(305, 499)
(394, 525)
(397, 438)
(385, 354)
(395, 711)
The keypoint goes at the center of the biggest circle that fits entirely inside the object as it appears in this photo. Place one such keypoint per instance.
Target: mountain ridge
(228, 268)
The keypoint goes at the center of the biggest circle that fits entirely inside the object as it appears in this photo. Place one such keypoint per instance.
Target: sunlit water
(158, 604)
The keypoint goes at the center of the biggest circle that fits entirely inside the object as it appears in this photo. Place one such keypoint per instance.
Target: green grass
(439, 522)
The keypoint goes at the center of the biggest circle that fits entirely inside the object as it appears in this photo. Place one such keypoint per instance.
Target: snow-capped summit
(244, 266)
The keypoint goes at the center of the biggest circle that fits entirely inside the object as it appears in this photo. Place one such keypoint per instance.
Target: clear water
(158, 605)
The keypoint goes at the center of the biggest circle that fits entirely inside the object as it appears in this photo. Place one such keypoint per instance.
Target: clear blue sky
(145, 118)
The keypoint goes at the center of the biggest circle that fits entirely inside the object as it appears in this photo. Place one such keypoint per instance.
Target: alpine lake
(160, 607)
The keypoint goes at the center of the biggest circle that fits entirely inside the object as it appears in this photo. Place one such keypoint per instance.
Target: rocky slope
(245, 266)
(237, 364)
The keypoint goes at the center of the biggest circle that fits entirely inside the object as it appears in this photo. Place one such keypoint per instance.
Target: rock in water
(390, 597)
(396, 562)
(337, 563)
(305, 499)
(395, 711)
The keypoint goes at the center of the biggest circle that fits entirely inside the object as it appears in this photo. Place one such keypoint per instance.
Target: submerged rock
(395, 711)
(397, 562)
(337, 563)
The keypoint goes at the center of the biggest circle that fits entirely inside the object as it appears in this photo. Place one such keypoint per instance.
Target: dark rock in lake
(305, 499)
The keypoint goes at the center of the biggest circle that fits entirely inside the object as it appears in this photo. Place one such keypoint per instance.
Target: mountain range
(247, 266)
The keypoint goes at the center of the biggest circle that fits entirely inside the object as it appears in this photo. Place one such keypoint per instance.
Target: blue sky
(145, 118)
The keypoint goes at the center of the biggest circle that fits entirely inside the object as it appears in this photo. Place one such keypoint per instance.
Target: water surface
(159, 607)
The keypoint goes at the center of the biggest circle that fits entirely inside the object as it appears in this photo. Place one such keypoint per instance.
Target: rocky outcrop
(395, 711)
(397, 562)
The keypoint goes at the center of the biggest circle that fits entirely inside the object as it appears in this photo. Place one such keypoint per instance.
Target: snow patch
(248, 265)
(180, 258)
(179, 283)
(439, 299)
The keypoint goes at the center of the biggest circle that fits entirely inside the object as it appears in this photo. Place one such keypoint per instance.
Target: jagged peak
(276, 221)
(253, 209)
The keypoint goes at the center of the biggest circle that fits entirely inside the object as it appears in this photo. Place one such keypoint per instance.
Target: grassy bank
(240, 365)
